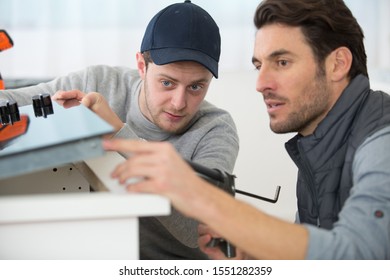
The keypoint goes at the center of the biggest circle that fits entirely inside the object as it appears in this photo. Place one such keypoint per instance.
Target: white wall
(262, 162)
(53, 37)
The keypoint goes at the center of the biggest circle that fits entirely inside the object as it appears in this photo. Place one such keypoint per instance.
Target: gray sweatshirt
(211, 140)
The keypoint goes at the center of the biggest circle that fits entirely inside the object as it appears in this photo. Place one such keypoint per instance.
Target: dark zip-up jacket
(324, 159)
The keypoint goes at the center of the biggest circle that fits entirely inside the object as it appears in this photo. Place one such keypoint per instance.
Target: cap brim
(170, 55)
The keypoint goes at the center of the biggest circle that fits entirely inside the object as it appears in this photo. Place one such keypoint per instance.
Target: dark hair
(148, 58)
(326, 25)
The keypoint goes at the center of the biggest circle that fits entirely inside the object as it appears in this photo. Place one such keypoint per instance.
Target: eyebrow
(176, 80)
(273, 55)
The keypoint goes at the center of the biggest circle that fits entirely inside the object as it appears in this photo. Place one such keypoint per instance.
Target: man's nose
(179, 99)
(265, 80)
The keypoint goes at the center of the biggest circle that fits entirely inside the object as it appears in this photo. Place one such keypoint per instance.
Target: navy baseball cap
(183, 32)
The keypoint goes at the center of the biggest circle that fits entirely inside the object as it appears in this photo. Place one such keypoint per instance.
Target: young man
(163, 100)
(312, 74)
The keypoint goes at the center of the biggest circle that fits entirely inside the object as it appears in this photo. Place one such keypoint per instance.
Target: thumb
(88, 100)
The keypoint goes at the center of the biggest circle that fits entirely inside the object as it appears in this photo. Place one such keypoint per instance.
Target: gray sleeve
(23, 96)
(100, 78)
(362, 231)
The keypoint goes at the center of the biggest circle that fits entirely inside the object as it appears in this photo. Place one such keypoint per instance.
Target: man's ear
(340, 63)
(141, 65)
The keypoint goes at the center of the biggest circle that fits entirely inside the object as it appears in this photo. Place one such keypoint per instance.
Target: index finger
(131, 146)
(70, 94)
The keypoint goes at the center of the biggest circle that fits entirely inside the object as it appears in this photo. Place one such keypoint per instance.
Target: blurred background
(55, 37)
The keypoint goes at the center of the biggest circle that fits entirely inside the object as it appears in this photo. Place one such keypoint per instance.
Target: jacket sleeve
(362, 231)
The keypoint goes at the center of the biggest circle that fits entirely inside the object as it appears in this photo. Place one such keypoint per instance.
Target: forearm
(23, 95)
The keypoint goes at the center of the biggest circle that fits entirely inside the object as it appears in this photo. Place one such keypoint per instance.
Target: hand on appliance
(206, 235)
(92, 100)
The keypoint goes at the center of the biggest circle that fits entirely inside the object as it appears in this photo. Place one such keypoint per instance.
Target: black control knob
(42, 105)
(9, 112)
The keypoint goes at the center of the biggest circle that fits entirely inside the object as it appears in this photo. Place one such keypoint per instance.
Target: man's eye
(195, 87)
(257, 66)
(166, 83)
(283, 62)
